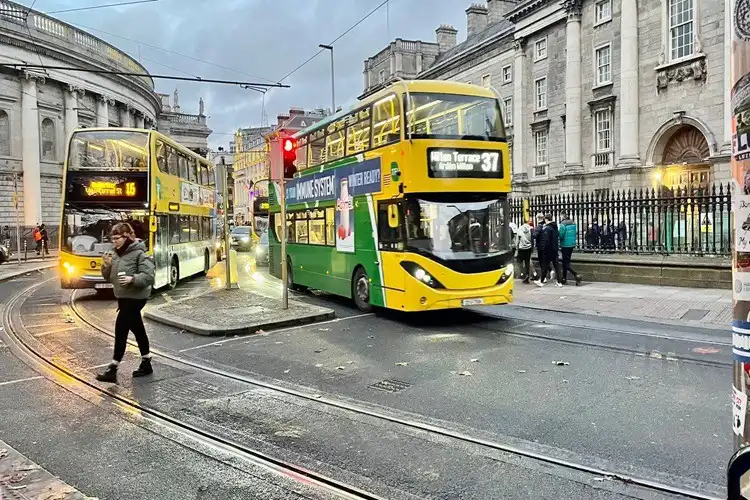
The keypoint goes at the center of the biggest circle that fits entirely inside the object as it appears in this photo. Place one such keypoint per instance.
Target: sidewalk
(213, 311)
(10, 270)
(21, 478)
(702, 307)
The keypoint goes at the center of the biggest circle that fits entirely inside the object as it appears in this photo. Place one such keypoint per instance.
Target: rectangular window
(386, 118)
(540, 49)
(604, 65)
(192, 170)
(182, 161)
(486, 81)
(317, 227)
(300, 227)
(540, 91)
(507, 74)
(390, 238)
(184, 229)
(603, 124)
(203, 174)
(172, 162)
(358, 132)
(335, 141)
(330, 226)
(681, 17)
(508, 111)
(194, 228)
(540, 145)
(206, 223)
(211, 177)
(381, 76)
(603, 11)
(161, 157)
(174, 229)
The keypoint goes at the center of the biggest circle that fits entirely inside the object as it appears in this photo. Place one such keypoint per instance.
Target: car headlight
(420, 274)
(245, 239)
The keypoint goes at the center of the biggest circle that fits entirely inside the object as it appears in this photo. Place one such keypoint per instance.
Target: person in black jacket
(549, 246)
(536, 234)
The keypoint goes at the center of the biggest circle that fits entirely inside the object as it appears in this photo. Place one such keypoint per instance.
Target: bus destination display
(457, 163)
(85, 187)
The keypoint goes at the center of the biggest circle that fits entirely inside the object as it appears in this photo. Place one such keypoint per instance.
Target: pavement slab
(234, 312)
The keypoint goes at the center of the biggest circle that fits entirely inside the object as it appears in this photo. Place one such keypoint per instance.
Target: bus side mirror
(152, 223)
(738, 475)
(393, 216)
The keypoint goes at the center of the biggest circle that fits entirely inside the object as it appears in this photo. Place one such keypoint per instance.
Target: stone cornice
(525, 9)
(573, 8)
(602, 103)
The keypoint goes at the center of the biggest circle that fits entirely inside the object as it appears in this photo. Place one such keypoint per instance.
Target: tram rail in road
(65, 377)
(647, 484)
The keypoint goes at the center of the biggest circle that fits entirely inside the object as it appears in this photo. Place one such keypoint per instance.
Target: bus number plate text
(472, 302)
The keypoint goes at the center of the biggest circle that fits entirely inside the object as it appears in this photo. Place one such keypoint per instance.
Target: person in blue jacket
(568, 239)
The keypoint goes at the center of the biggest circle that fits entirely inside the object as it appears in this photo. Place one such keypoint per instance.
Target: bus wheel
(361, 290)
(174, 273)
(290, 278)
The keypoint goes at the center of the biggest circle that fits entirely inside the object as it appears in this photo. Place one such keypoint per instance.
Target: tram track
(63, 376)
(647, 484)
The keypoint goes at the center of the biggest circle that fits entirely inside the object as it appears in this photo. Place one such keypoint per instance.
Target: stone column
(102, 111)
(726, 147)
(125, 116)
(32, 182)
(573, 116)
(71, 110)
(629, 101)
(519, 123)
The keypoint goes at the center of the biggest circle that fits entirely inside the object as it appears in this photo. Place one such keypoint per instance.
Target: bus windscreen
(104, 150)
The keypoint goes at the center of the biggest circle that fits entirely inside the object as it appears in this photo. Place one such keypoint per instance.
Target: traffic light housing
(289, 151)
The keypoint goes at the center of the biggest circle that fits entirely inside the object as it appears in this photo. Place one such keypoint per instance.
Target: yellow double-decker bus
(165, 191)
(401, 201)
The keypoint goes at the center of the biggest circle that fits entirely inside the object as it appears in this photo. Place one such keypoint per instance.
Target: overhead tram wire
(342, 35)
(249, 85)
(92, 7)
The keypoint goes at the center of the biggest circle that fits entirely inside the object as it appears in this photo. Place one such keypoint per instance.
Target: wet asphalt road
(615, 405)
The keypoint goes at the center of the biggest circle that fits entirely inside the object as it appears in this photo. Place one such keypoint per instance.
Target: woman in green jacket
(131, 273)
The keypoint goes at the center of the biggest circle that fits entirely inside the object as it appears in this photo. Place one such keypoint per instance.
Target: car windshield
(474, 227)
(452, 116)
(86, 230)
(104, 151)
(241, 230)
(261, 224)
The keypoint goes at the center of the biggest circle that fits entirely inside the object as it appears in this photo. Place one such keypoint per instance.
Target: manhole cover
(694, 314)
(391, 385)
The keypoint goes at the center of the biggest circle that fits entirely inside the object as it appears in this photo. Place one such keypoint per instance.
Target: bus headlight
(507, 274)
(69, 267)
(420, 274)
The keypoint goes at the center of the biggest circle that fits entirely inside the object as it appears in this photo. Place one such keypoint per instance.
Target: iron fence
(645, 221)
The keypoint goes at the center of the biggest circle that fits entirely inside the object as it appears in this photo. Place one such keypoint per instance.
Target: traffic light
(289, 150)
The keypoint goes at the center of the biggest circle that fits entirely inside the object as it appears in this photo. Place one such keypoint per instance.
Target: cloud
(262, 38)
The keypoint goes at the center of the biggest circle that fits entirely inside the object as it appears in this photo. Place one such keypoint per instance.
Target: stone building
(41, 106)
(190, 130)
(600, 93)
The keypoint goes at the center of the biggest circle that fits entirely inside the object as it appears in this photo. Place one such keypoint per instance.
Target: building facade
(190, 130)
(602, 93)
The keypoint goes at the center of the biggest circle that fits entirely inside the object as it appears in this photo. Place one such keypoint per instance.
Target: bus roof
(401, 87)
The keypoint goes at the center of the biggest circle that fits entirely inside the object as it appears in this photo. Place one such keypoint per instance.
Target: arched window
(48, 140)
(4, 133)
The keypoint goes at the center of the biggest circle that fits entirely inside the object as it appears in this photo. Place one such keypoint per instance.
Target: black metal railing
(644, 221)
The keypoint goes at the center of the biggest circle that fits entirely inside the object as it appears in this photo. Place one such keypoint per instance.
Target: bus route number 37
(489, 161)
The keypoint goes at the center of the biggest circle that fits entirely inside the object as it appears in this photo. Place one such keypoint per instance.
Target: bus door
(161, 251)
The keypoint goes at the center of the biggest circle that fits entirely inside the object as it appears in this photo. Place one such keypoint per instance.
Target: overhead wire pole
(333, 78)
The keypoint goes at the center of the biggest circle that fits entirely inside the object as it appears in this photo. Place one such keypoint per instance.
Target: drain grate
(694, 314)
(391, 385)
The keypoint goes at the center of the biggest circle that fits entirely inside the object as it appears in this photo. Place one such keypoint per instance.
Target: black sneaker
(578, 280)
(144, 369)
(109, 376)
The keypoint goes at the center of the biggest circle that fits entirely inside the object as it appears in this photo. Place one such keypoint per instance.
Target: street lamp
(333, 87)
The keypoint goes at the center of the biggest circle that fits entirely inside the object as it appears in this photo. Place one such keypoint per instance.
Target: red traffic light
(289, 145)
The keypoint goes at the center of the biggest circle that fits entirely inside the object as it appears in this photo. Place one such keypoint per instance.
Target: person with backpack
(525, 245)
(549, 246)
(45, 239)
(131, 273)
(568, 240)
(37, 234)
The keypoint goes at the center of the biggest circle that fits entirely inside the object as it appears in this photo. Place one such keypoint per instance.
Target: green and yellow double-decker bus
(162, 189)
(401, 201)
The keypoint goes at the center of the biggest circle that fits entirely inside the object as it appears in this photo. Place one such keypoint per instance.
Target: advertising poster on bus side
(344, 218)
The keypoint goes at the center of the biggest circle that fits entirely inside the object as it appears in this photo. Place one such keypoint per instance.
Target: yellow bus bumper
(419, 297)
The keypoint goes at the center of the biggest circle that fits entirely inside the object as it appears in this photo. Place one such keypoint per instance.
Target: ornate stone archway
(689, 129)
(687, 145)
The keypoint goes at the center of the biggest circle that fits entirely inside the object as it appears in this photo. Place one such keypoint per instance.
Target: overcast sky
(260, 40)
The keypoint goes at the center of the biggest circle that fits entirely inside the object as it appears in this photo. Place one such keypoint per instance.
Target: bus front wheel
(174, 273)
(290, 278)
(361, 290)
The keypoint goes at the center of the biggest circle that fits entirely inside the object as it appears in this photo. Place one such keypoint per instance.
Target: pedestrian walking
(525, 245)
(45, 239)
(549, 246)
(536, 234)
(37, 234)
(568, 239)
(131, 273)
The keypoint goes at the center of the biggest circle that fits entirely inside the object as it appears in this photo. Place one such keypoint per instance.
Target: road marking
(20, 380)
(49, 332)
(42, 314)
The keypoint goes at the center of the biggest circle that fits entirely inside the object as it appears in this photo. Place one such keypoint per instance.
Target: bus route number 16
(489, 161)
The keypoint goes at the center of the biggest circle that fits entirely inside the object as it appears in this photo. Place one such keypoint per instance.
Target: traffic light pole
(227, 243)
(282, 236)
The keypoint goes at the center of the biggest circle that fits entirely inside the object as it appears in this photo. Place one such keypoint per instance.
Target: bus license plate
(472, 302)
(103, 285)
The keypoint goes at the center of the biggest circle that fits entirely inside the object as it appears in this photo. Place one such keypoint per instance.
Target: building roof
(476, 39)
